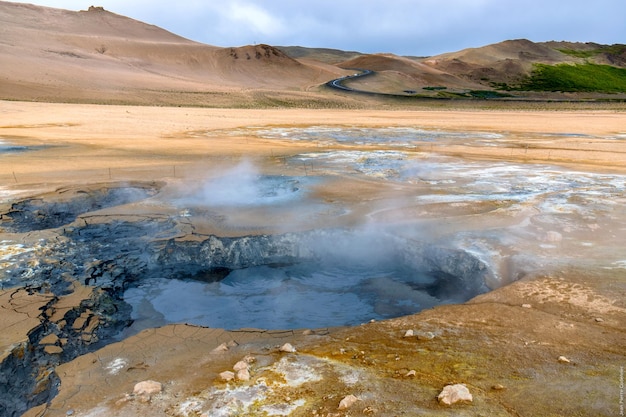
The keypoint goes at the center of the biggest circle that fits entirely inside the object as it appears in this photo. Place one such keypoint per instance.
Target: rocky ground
(527, 204)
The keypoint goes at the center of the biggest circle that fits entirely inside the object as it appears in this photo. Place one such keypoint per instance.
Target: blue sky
(403, 27)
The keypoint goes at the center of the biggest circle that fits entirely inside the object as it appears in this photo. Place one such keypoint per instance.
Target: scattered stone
(287, 347)
(145, 389)
(599, 319)
(347, 402)
(527, 306)
(409, 333)
(221, 348)
(249, 359)
(240, 365)
(124, 400)
(243, 375)
(411, 373)
(227, 376)
(563, 359)
(452, 394)
(497, 387)
(69, 412)
(425, 336)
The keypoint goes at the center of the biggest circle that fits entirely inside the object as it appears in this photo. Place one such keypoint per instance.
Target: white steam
(243, 186)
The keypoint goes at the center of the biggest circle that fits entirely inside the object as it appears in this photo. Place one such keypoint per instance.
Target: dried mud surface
(537, 196)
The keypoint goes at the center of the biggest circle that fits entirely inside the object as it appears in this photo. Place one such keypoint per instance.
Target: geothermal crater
(146, 271)
(288, 248)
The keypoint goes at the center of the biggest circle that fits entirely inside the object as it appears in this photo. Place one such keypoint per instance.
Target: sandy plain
(505, 345)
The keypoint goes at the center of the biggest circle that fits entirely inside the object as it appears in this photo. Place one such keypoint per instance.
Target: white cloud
(252, 18)
(418, 27)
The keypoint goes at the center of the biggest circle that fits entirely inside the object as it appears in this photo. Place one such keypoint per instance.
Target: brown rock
(144, 390)
(227, 376)
(243, 375)
(288, 348)
(347, 402)
(452, 394)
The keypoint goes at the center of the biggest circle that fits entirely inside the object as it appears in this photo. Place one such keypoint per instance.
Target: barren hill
(96, 56)
(507, 61)
(514, 68)
(396, 73)
(99, 56)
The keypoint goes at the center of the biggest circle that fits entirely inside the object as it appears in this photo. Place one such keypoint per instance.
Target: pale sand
(94, 139)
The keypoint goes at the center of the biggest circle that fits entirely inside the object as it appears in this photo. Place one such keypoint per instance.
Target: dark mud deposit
(114, 254)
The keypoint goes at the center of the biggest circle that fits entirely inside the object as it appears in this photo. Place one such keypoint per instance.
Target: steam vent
(313, 267)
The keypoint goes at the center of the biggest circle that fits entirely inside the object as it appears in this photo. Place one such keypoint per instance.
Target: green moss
(576, 78)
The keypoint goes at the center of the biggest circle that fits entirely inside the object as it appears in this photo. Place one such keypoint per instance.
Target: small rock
(221, 348)
(307, 332)
(249, 359)
(124, 400)
(599, 319)
(287, 348)
(411, 373)
(563, 359)
(243, 375)
(227, 376)
(409, 333)
(145, 389)
(240, 365)
(347, 402)
(497, 387)
(527, 306)
(452, 394)
(425, 336)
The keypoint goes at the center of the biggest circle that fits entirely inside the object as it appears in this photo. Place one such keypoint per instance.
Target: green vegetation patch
(616, 49)
(576, 78)
(488, 94)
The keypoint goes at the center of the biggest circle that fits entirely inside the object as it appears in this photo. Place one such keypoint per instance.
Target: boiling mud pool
(581, 212)
(304, 295)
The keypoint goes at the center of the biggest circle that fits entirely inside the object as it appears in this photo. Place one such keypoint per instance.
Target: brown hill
(99, 56)
(509, 62)
(503, 62)
(481, 72)
(395, 74)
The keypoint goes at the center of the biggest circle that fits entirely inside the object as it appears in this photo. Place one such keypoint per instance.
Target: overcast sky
(403, 27)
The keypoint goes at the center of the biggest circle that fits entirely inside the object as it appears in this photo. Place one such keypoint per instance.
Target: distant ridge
(97, 56)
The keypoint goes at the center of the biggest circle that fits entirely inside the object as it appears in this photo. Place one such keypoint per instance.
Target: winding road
(338, 82)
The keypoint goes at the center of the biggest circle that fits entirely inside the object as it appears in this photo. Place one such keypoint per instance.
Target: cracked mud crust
(130, 182)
